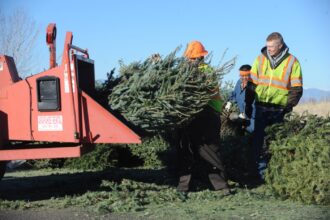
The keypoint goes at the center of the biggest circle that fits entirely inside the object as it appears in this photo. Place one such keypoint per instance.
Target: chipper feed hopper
(52, 114)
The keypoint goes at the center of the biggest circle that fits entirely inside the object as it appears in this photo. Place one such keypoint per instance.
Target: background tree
(18, 36)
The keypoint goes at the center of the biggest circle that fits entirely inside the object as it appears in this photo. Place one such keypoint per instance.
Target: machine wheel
(2, 168)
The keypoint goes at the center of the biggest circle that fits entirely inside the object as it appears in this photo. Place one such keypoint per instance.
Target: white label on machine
(50, 123)
(66, 79)
(1, 66)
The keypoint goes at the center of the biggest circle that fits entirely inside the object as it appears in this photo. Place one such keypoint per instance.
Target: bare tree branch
(18, 36)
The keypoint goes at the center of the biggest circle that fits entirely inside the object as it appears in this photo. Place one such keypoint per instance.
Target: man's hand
(243, 116)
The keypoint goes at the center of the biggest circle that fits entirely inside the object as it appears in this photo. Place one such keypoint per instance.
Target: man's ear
(281, 45)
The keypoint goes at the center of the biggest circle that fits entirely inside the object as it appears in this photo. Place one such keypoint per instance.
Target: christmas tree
(158, 94)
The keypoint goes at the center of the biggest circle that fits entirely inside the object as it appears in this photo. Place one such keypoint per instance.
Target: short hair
(275, 36)
(245, 67)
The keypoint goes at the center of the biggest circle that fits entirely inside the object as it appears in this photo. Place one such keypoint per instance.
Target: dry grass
(321, 108)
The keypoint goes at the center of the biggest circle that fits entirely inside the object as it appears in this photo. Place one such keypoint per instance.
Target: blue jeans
(265, 116)
(250, 128)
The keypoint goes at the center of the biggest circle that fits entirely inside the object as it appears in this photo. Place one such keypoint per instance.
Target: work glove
(243, 116)
(228, 106)
(234, 116)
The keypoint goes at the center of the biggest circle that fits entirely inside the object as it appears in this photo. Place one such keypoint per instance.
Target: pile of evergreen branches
(300, 165)
(158, 94)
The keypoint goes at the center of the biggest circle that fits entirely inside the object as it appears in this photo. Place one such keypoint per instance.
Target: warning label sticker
(50, 123)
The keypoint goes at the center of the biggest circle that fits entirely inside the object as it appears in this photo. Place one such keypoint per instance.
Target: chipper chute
(52, 114)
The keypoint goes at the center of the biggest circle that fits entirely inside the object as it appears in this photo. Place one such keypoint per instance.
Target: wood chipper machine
(52, 114)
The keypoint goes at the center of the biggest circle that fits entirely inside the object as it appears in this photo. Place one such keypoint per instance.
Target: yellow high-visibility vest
(273, 85)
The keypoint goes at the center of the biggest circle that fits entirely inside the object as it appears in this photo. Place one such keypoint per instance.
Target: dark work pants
(265, 116)
(200, 140)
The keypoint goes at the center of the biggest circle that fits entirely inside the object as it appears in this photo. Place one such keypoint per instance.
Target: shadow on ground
(57, 185)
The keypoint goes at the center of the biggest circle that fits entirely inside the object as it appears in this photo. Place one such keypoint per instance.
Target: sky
(114, 30)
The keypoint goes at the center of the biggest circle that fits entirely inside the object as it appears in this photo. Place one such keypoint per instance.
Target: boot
(183, 185)
(217, 181)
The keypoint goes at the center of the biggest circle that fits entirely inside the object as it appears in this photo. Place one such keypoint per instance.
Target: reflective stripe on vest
(253, 78)
(296, 82)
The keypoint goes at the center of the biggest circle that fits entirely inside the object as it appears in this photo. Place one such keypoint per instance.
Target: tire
(2, 168)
